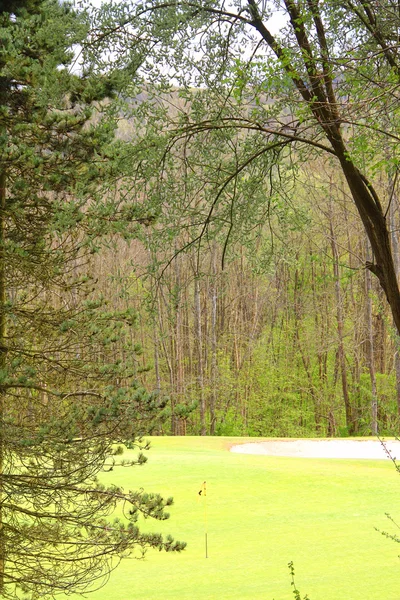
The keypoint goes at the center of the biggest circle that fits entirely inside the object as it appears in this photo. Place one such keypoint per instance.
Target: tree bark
(396, 256)
(156, 341)
(340, 331)
(178, 424)
(199, 344)
(214, 305)
(370, 351)
(378, 234)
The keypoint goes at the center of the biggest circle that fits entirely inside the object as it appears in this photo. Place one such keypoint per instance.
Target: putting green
(263, 512)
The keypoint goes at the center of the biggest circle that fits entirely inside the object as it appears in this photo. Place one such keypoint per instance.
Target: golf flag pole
(203, 493)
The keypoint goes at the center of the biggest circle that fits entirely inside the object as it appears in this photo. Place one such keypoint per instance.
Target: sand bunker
(335, 448)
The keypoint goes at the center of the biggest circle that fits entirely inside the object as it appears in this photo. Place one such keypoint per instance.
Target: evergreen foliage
(67, 402)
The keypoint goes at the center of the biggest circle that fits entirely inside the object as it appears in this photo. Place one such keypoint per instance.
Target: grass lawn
(263, 512)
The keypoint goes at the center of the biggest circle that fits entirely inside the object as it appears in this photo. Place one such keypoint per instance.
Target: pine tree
(65, 402)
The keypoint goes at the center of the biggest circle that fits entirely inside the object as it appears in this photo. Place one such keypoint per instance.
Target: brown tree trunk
(340, 331)
(177, 424)
(375, 224)
(199, 345)
(156, 341)
(316, 89)
(370, 350)
(396, 257)
(214, 305)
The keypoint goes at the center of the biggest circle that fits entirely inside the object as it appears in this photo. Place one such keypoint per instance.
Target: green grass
(263, 512)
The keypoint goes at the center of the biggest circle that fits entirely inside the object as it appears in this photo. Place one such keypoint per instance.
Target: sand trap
(336, 448)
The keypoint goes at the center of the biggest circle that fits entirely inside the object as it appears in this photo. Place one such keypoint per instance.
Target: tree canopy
(67, 403)
(323, 82)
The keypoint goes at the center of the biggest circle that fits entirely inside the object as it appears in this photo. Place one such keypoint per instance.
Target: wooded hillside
(268, 323)
(262, 175)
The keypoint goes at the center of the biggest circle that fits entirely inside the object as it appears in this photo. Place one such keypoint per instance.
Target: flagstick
(205, 517)
(203, 493)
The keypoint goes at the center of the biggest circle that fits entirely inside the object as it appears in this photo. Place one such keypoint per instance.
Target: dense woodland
(280, 339)
(265, 262)
(265, 265)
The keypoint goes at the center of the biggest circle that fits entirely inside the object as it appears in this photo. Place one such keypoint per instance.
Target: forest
(254, 269)
(199, 235)
(291, 336)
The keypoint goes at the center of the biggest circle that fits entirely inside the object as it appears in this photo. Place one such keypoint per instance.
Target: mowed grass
(263, 512)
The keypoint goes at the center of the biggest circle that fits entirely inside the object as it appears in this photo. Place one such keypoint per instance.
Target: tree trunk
(396, 257)
(214, 304)
(178, 424)
(319, 96)
(376, 227)
(156, 341)
(199, 344)
(340, 330)
(370, 350)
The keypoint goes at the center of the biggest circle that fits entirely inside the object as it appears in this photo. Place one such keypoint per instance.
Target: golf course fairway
(260, 513)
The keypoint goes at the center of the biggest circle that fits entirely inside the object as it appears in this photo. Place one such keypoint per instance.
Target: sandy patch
(336, 448)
